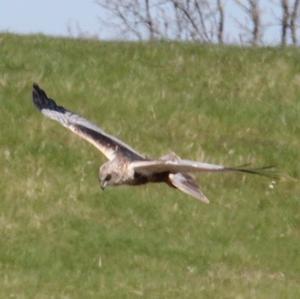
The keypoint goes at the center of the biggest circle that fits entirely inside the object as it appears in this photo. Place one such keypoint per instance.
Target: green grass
(61, 237)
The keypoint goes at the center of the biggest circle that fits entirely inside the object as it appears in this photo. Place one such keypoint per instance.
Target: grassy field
(62, 237)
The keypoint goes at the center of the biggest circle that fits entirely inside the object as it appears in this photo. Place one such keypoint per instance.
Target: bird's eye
(108, 177)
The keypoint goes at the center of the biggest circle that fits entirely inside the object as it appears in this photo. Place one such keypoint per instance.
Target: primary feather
(107, 144)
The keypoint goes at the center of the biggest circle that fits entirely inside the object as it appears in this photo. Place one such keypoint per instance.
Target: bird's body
(125, 166)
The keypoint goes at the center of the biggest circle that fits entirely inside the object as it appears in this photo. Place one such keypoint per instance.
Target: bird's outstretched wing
(187, 184)
(186, 166)
(107, 144)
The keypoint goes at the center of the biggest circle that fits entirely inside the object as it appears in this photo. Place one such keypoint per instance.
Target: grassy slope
(61, 237)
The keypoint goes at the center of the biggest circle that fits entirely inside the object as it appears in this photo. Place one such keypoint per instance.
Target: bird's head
(108, 176)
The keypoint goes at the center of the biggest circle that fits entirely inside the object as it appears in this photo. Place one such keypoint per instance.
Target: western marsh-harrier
(126, 166)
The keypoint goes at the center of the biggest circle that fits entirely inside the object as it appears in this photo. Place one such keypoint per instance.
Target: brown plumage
(125, 166)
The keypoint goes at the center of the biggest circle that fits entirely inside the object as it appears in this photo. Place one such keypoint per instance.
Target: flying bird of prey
(126, 166)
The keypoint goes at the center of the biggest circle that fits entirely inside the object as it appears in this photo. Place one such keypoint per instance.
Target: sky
(52, 17)
(70, 17)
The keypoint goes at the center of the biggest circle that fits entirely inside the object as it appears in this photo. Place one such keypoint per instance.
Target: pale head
(109, 175)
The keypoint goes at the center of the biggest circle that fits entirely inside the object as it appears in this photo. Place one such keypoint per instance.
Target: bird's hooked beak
(103, 185)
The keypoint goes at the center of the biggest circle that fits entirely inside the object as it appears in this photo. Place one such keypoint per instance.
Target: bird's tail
(267, 171)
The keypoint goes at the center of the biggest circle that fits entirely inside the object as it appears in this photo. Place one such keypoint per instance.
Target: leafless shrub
(201, 20)
(290, 14)
(253, 13)
(197, 20)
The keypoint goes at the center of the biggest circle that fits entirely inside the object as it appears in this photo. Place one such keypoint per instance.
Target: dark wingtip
(35, 85)
(41, 100)
(39, 97)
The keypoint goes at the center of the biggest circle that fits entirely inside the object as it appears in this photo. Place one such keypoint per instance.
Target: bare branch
(202, 21)
(284, 21)
(148, 20)
(185, 9)
(178, 21)
(198, 20)
(252, 10)
(220, 7)
(293, 17)
(255, 12)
